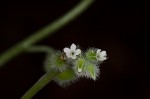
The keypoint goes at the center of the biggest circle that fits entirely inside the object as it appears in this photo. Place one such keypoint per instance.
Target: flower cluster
(73, 63)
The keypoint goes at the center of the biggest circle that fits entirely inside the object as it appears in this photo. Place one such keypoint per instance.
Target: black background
(120, 27)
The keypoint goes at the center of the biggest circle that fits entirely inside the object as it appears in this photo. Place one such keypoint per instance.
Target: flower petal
(68, 55)
(73, 56)
(103, 53)
(102, 58)
(78, 51)
(98, 51)
(73, 46)
(66, 50)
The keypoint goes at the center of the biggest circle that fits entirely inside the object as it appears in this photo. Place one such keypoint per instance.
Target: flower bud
(57, 62)
(79, 64)
(65, 78)
(91, 54)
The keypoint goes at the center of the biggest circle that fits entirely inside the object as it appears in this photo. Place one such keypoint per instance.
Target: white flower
(101, 55)
(72, 51)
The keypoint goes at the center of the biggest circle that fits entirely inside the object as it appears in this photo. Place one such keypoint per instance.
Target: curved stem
(40, 48)
(43, 33)
(43, 81)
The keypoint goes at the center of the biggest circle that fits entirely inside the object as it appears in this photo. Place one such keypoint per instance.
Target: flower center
(72, 53)
(98, 56)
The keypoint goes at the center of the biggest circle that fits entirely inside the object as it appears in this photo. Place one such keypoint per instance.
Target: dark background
(120, 27)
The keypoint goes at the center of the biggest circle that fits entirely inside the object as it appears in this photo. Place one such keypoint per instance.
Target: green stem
(45, 32)
(40, 48)
(43, 81)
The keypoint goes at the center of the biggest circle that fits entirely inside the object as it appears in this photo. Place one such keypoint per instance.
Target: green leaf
(91, 70)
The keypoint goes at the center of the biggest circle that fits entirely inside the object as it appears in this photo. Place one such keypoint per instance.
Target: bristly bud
(92, 71)
(79, 65)
(91, 54)
(66, 78)
(57, 62)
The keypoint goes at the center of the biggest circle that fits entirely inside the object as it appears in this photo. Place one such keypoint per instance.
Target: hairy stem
(43, 81)
(45, 32)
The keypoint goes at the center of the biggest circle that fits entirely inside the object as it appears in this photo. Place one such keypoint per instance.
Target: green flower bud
(65, 78)
(91, 54)
(57, 62)
(79, 65)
